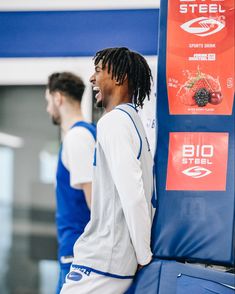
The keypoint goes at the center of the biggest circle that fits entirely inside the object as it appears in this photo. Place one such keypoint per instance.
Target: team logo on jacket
(202, 26)
(74, 276)
(197, 161)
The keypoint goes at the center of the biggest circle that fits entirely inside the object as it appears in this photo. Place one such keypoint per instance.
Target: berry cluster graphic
(200, 90)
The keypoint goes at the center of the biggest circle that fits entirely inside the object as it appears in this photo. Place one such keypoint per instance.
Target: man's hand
(139, 267)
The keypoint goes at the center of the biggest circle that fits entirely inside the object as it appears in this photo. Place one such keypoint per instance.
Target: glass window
(28, 246)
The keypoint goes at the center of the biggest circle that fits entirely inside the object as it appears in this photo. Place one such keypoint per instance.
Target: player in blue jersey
(117, 239)
(74, 171)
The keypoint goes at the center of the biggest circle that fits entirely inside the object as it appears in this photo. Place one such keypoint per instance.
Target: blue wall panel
(77, 33)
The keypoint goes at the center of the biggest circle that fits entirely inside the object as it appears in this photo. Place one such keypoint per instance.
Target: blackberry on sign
(202, 97)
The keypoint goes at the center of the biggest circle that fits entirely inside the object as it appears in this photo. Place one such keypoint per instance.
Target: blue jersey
(72, 211)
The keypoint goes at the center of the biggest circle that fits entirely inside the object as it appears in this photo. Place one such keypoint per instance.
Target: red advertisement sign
(197, 161)
(200, 56)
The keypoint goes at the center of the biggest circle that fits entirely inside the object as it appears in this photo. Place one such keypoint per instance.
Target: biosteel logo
(196, 172)
(202, 26)
(189, 6)
(197, 161)
(197, 155)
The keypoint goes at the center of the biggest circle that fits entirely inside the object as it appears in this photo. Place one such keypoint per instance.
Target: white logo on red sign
(197, 161)
(196, 172)
(202, 26)
(197, 154)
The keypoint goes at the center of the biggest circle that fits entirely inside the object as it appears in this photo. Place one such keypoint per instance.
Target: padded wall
(194, 161)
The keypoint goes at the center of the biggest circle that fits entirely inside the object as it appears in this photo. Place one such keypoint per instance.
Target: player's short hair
(67, 83)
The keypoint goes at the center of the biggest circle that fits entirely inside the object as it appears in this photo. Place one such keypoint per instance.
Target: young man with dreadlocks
(117, 239)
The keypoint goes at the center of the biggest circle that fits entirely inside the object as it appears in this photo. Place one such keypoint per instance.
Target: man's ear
(58, 99)
(125, 79)
(119, 83)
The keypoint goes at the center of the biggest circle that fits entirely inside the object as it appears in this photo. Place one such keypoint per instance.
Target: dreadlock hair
(67, 83)
(122, 63)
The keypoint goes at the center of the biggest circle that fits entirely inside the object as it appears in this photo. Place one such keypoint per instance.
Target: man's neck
(120, 96)
(69, 121)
